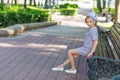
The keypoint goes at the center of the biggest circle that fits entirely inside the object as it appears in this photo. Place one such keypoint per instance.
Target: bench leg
(92, 75)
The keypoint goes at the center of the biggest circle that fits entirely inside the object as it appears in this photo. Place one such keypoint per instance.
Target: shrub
(67, 12)
(3, 7)
(12, 16)
(67, 5)
(24, 17)
(3, 18)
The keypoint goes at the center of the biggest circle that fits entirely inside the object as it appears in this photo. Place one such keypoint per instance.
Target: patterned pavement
(32, 54)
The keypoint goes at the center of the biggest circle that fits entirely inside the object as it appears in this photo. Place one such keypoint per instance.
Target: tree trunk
(99, 5)
(109, 2)
(46, 3)
(8, 1)
(15, 1)
(30, 2)
(2, 1)
(34, 2)
(38, 2)
(25, 5)
(117, 11)
(104, 4)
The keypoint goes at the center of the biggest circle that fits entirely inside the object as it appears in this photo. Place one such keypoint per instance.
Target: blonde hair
(92, 20)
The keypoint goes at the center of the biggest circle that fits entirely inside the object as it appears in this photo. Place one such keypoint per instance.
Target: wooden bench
(106, 60)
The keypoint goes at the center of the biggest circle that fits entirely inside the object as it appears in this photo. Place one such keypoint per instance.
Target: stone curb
(19, 28)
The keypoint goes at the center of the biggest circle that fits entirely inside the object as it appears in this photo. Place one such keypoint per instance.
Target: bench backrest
(109, 43)
(115, 38)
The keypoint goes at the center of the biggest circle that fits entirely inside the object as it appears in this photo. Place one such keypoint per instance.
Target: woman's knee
(70, 52)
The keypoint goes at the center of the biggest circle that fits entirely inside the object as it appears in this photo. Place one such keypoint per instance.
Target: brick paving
(33, 56)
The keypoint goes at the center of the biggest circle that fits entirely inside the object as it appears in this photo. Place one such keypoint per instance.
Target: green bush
(39, 15)
(3, 18)
(68, 12)
(24, 17)
(8, 18)
(67, 5)
(11, 18)
(16, 15)
(3, 7)
(67, 9)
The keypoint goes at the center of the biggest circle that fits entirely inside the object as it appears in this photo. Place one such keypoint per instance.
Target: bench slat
(100, 52)
(113, 49)
(109, 51)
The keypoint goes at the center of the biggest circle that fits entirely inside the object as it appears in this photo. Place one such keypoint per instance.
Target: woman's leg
(72, 53)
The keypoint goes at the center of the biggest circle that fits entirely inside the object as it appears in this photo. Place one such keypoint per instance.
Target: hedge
(8, 18)
(68, 12)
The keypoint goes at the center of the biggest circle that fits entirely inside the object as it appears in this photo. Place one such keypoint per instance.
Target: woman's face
(90, 22)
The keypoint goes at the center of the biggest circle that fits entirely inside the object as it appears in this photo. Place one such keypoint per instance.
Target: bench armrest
(117, 77)
(102, 67)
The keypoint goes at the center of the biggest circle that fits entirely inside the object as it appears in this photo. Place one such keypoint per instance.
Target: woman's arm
(95, 42)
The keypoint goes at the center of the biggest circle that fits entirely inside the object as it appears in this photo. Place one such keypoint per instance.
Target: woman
(88, 48)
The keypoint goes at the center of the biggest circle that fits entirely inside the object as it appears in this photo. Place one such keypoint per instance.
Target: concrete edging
(19, 28)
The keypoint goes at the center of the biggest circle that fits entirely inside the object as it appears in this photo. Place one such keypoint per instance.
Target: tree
(25, 5)
(46, 3)
(117, 10)
(109, 2)
(16, 1)
(38, 2)
(30, 2)
(8, 1)
(99, 5)
(104, 4)
(2, 1)
(34, 2)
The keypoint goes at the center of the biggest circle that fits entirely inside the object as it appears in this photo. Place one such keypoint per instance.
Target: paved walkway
(32, 54)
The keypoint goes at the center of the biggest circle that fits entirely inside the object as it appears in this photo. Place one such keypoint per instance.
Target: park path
(32, 54)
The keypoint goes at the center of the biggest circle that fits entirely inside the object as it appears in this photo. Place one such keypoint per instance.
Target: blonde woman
(88, 48)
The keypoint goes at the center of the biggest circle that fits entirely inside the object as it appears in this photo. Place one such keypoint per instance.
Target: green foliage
(17, 15)
(67, 9)
(3, 18)
(16, 7)
(67, 5)
(67, 12)
(98, 12)
(24, 17)
(11, 18)
(99, 5)
(3, 7)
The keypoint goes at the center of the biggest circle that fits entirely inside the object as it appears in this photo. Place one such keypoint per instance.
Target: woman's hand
(89, 56)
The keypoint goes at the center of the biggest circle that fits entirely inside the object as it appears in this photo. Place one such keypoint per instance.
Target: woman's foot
(71, 71)
(58, 69)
